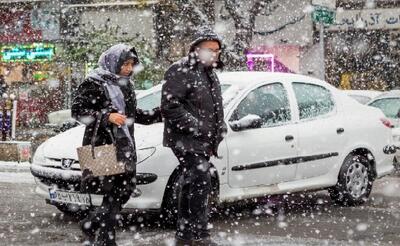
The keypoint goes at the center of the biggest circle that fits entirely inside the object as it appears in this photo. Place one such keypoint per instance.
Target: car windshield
(389, 106)
(153, 100)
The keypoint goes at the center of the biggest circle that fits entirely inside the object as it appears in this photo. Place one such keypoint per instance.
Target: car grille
(56, 163)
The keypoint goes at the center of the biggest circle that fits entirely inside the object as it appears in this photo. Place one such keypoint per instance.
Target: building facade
(35, 33)
(363, 46)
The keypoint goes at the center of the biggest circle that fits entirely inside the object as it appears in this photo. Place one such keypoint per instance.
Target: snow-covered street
(308, 219)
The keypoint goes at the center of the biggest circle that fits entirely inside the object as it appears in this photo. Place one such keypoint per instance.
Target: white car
(362, 96)
(389, 103)
(288, 133)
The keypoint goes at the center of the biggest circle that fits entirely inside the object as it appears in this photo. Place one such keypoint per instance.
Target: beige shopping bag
(100, 160)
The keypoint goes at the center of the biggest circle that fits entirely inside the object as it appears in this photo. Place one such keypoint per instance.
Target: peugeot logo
(66, 163)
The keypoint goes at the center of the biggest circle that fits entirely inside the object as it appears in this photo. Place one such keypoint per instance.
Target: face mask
(206, 57)
(138, 68)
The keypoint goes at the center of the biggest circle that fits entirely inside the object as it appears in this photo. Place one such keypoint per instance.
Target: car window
(150, 101)
(270, 102)
(312, 100)
(389, 106)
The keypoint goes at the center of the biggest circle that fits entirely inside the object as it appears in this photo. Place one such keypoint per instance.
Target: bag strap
(98, 121)
(96, 128)
(90, 199)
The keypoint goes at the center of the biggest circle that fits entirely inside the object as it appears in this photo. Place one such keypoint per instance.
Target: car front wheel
(354, 182)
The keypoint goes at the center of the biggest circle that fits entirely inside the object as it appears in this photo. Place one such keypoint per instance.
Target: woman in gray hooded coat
(107, 97)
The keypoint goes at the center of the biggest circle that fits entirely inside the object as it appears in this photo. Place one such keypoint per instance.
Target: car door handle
(289, 138)
(339, 130)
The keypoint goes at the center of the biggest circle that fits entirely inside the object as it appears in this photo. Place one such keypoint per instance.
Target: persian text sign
(367, 19)
(32, 52)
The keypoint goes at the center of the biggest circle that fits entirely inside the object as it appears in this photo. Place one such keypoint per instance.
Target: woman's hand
(117, 119)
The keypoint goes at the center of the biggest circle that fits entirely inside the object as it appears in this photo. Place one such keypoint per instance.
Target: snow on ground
(16, 177)
(10, 165)
(14, 172)
(167, 239)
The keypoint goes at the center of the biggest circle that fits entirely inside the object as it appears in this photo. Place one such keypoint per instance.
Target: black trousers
(195, 183)
(105, 218)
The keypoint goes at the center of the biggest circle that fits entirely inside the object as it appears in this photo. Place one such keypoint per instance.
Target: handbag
(99, 160)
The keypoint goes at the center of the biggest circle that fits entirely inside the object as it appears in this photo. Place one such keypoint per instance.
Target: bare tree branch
(203, 17)
(192, 13)
(292, 22)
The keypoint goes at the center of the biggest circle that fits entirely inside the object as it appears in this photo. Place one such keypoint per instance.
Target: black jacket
(192, 107)
(92, 101)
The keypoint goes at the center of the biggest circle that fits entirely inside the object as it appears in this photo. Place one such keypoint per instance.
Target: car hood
(64, 144)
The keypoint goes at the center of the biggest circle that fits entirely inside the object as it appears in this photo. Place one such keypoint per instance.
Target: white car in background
(287, 133)
(362, 96)
(57, 118)
(389, 103)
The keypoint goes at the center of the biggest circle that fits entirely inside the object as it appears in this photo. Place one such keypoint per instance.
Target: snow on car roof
(247, 78)
(388, 94)
(367, 93)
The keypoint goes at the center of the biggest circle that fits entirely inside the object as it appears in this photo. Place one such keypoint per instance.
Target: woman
(107, 97)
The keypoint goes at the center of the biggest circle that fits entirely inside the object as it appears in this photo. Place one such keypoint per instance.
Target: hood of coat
(205, 34)
(111, 60)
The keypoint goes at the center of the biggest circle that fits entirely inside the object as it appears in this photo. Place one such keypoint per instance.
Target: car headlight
(38, 157)
(144, 154)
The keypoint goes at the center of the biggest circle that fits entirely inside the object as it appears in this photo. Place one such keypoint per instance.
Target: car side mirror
(250, 121)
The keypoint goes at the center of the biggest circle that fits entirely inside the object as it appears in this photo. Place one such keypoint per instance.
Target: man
(194, 126)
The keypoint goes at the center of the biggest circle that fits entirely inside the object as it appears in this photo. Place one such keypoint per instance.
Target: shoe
(88, 233)
(87, 242)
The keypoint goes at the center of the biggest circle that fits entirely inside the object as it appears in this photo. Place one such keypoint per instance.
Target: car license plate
(69, 197)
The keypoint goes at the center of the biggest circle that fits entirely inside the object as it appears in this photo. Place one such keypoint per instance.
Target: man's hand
(117, 119)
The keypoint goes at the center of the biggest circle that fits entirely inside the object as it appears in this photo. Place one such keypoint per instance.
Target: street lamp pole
(322, 47)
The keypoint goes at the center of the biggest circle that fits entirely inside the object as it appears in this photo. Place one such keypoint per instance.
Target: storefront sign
(33, 52)
(367, 19)
(323, 15)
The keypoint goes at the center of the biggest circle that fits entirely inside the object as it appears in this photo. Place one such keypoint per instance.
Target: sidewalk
(7, 166)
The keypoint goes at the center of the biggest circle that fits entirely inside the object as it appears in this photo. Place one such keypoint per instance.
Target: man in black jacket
(194, 126)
